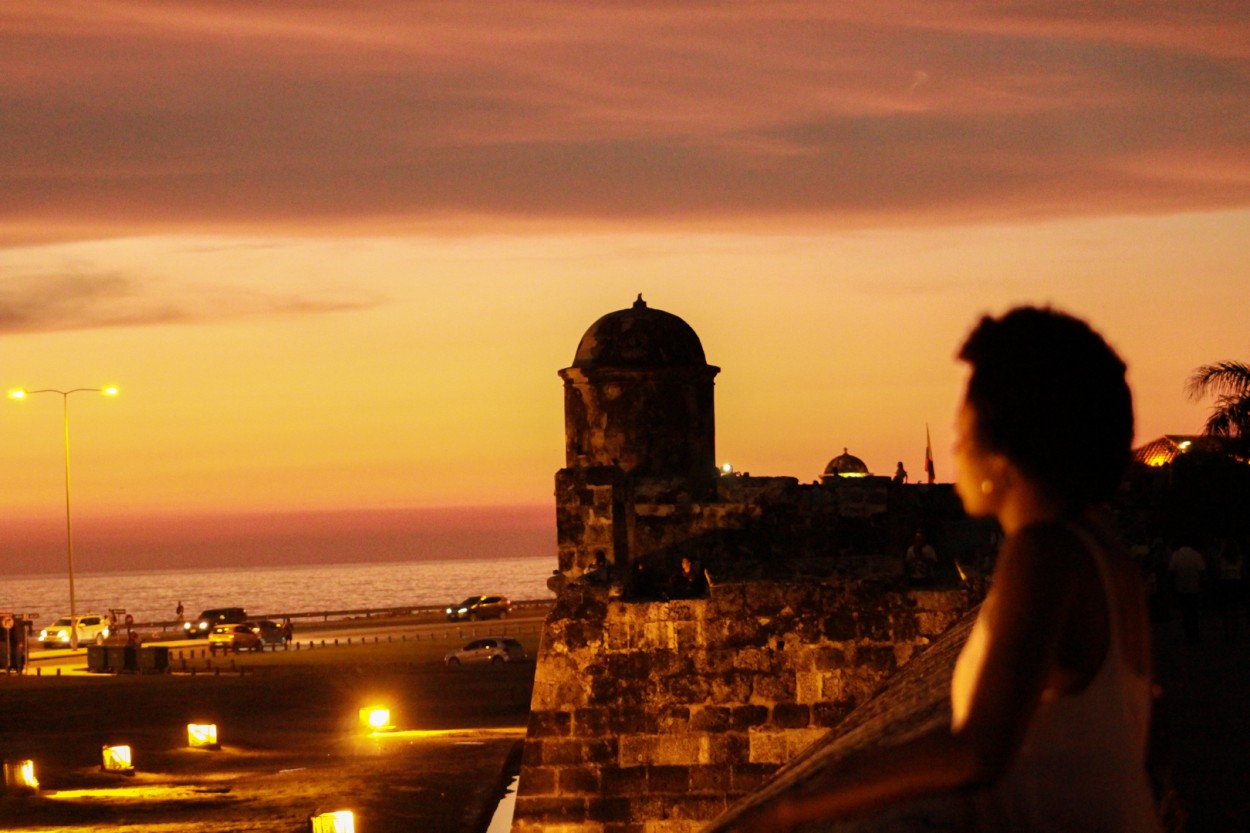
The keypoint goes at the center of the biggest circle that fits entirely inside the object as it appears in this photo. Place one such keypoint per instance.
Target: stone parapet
(652, 717)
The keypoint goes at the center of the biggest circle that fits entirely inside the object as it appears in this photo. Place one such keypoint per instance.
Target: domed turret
(640, 337)
(846, 465)
(639, 396)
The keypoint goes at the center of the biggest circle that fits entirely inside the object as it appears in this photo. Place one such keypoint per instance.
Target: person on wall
(1051, 695)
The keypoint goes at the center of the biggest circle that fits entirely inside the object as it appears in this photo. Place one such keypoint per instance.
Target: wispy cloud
(83, 302)
(136, 115)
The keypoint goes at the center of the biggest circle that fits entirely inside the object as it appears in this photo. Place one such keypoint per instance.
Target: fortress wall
(651, 717)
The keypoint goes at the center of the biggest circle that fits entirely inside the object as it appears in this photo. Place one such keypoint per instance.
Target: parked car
(238, 637)
(92, 628)
(479, 607)
(493, 649)
(203, 624)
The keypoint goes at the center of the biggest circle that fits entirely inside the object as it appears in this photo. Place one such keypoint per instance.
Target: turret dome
(639, 337)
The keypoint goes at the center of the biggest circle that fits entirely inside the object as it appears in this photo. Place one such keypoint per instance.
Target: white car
(92, 628)
(492, 649)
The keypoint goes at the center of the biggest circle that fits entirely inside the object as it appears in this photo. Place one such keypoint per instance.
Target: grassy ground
(290, 743)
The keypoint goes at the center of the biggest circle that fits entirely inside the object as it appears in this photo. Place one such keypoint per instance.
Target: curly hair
(1050, 395)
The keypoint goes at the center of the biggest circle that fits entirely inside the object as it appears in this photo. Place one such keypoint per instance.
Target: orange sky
(334, 254)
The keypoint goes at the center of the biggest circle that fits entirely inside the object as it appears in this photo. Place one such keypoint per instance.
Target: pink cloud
(134, 116)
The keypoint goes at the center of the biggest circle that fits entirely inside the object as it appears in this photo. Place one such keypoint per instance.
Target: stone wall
(652, 717)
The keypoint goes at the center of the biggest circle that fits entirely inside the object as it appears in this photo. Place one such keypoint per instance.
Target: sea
(154, 595)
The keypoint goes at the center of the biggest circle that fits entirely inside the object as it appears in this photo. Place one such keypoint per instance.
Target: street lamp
(22, 393)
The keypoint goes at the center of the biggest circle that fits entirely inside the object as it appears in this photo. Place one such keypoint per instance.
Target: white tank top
(1081, 766)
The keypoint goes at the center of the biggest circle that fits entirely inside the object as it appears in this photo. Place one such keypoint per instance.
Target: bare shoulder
(1053, 551)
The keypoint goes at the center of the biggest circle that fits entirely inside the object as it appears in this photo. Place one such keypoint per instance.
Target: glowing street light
(22, 393)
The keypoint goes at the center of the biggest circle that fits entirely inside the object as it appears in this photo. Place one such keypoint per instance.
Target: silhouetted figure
(690, 582)
(179, 611)
(1051, 693)
(599, 574)
(900, 473)
(288, 632)
(920, 562)
(1229, 581)
(642, 583)
(1187, 566)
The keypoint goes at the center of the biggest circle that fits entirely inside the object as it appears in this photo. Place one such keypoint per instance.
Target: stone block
(753, 659)
(808, 686)
(633, 720)
(731, 688)
(589, 722)
(563, 752)
(610, 810)
(710, 778)
(766, 688)
(617, 780)
(744, 717)
(745, 778)
(904, 627)
(827, 657)
(672, 826)
(638, 750)
(791, 716)
(710, 719)
(668, 779)
(798, 740)
(623, 827)
(538, 781)
(687, 636)
(841, 626)
(875, 625)
(673, 719)
(727, 748)
(830, 713)
(601, 751)
(618, 635)
(532, 753)
(876, 658)
(552, 810)
(697, 807)
(767, 747)
(714, 661)
(544, 724)
(577, 780)
(684, 688)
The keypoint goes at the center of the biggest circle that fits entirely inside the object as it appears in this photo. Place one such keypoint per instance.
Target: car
(269, 631)
(92, 627)
(479, 607)
(236, 637)
(203, 624)
(492, 649)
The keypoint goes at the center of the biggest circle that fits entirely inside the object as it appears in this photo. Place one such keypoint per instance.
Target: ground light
(20, 775)
(117, 759)
(376, 719)
(340, 821)
(202, 736)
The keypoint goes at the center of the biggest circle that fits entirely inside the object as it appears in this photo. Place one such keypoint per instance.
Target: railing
(354, 615)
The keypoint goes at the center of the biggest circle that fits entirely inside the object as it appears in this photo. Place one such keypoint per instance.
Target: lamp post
(22, 393)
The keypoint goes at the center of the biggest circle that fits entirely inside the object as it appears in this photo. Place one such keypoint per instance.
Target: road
(68, 661)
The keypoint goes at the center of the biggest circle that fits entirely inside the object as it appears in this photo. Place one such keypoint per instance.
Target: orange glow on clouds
(335, 256)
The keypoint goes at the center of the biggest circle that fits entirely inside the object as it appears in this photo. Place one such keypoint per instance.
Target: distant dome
(640, 337)
(846, 465)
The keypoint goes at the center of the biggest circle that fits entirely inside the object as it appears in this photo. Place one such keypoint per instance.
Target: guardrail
(354, 614)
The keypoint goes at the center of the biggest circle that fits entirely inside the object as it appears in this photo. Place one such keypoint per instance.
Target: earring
(987, 486)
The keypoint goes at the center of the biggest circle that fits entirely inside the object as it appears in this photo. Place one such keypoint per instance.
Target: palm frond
(1219, 378)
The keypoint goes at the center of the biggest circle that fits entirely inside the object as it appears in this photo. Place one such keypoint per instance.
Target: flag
(928, 455)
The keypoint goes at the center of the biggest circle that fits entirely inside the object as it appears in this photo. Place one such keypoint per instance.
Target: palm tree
(1229, 383)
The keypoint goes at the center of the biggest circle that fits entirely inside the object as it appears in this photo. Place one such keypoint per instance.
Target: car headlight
(43, 634)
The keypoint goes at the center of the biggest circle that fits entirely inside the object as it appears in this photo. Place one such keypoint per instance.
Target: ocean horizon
(153, 595)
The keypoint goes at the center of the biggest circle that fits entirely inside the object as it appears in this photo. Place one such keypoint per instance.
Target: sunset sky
(334, 253)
